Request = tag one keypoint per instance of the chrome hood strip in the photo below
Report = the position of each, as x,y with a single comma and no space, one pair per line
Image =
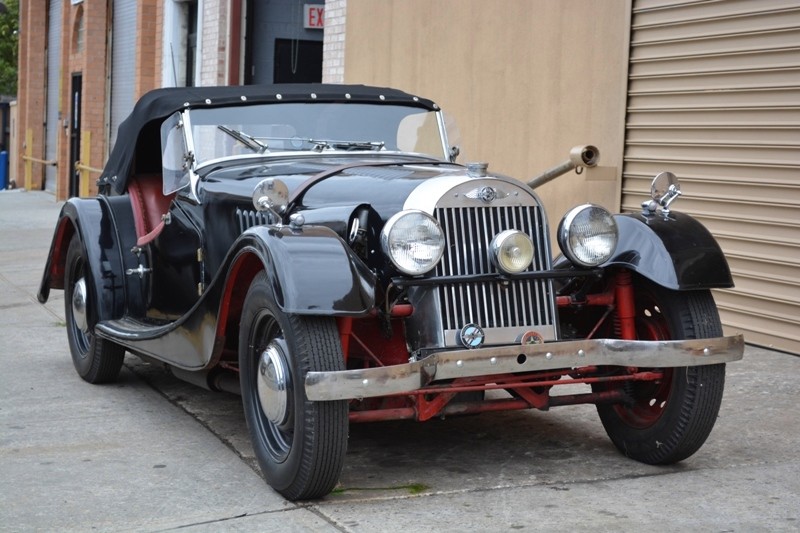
410,377
429,192
447,191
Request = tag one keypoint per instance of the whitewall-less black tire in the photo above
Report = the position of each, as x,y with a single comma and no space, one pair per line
96,360
669,420
300,445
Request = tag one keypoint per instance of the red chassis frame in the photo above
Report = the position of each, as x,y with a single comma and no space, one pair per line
362,339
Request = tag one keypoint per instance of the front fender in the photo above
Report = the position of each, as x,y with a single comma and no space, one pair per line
676,251
311,269
93,221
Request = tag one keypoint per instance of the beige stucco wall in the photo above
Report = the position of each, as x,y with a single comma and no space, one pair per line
525,79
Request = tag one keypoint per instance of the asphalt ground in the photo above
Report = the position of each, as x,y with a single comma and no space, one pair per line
150,453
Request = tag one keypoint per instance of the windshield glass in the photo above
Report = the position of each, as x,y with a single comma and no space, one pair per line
175,172
280,127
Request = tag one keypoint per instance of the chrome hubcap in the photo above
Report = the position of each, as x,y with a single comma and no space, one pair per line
79,304
274,383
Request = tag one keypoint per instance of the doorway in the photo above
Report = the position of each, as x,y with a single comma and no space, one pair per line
76,95
297,61
278,46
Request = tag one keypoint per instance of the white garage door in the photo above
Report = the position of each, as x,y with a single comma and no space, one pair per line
123,63
714,96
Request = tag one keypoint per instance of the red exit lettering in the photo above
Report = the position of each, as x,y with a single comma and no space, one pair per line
314,16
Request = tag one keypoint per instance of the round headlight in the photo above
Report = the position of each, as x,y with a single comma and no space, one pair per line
414,242
512,251
588,235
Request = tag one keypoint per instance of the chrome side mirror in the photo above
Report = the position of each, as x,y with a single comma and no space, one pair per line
271,195
664,190
453,153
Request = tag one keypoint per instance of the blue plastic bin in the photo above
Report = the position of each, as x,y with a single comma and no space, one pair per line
3,170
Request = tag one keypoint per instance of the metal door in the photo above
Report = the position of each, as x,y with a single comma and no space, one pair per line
76,95
714,96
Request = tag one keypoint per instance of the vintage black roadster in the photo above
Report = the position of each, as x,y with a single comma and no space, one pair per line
317,249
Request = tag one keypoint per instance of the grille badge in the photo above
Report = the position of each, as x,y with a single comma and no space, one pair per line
532,337
471,336
486,194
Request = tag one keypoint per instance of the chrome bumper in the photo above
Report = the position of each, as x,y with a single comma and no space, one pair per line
409,377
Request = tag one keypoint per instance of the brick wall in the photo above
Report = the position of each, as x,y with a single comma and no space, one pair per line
149,23
89,57
91,62
333,43
31,92
212,47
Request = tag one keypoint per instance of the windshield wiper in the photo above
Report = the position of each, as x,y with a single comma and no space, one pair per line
247,140
320,144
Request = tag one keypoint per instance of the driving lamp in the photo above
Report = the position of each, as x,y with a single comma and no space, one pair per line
413,241
588,235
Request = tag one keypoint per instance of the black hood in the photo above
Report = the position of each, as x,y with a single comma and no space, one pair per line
383,182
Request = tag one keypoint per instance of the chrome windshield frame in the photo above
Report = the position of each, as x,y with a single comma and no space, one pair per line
441,153
443,136
194,178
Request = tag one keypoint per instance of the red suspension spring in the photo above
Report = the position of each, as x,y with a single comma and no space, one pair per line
625,320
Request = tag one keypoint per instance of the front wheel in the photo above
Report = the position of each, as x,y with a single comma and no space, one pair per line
666,421
96,360
300,445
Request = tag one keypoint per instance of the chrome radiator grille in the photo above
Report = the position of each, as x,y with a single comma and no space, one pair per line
469,232
248,218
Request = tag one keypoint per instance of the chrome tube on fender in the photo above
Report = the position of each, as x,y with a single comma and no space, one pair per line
579,156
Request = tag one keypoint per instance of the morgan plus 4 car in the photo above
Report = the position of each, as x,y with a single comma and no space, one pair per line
317,249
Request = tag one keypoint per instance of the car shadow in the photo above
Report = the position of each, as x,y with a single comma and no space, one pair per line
459,453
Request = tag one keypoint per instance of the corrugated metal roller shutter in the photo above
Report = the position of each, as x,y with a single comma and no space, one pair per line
714,96
52,126
123,63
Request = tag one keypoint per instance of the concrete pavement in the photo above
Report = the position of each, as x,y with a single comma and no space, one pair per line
150,453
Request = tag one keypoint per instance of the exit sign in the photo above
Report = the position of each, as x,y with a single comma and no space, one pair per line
313,16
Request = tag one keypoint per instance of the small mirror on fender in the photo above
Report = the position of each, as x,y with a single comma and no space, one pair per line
665,189
271,195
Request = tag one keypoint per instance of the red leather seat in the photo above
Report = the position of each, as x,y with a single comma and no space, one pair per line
149,207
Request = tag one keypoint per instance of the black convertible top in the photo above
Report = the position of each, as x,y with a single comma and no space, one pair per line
138,145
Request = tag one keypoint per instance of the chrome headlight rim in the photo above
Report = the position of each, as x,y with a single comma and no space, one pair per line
418,265
498,244
568,236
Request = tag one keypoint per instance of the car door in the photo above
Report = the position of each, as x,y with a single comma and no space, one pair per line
178,277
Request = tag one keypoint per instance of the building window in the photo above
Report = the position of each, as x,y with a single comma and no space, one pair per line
78,31
182,21
191,41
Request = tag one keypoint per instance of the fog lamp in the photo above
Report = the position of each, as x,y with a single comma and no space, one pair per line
512,251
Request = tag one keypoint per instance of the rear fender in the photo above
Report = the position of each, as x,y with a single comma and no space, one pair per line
93,221
676,251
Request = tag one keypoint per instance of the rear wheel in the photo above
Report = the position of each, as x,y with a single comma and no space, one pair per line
668,420
96,360
300,445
